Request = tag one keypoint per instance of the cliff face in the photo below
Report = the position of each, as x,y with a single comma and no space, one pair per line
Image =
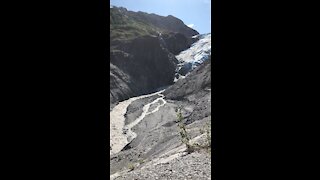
198,80
142,66
142,51
177,42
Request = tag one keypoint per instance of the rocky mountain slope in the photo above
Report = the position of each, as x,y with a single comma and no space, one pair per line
157,151
199,79
143,49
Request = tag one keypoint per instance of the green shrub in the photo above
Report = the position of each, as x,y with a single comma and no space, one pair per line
185,139
141,161
131,167
207,131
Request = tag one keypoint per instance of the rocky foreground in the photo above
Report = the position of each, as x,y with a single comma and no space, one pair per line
191,166
156,152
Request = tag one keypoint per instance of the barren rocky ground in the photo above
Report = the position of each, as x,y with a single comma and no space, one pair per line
157,150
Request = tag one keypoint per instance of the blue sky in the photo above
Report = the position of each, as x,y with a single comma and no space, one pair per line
194,13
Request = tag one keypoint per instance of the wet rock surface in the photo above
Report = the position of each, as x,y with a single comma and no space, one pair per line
135,108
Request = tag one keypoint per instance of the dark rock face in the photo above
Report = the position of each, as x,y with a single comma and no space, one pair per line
142,52
119,84
177,42
185,69
198,80
141,66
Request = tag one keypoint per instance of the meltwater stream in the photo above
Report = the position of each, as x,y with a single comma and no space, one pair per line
119,139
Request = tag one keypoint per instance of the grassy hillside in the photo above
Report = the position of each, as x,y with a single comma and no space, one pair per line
123,27
126,25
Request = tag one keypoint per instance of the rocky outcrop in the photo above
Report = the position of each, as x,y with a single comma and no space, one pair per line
195,90
177,42
138,67
119,86
198,80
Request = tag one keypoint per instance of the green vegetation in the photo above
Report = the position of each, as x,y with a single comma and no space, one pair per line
208,133
185,138
131,166
141,161
127,25
183,133
206,130
124,27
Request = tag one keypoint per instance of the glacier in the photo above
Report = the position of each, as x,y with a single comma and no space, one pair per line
194,56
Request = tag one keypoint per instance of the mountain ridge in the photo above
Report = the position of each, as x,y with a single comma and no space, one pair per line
142,23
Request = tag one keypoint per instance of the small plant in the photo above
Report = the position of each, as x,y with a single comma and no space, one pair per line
207,131
183,133
131,167
201,131
185,138
141,161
